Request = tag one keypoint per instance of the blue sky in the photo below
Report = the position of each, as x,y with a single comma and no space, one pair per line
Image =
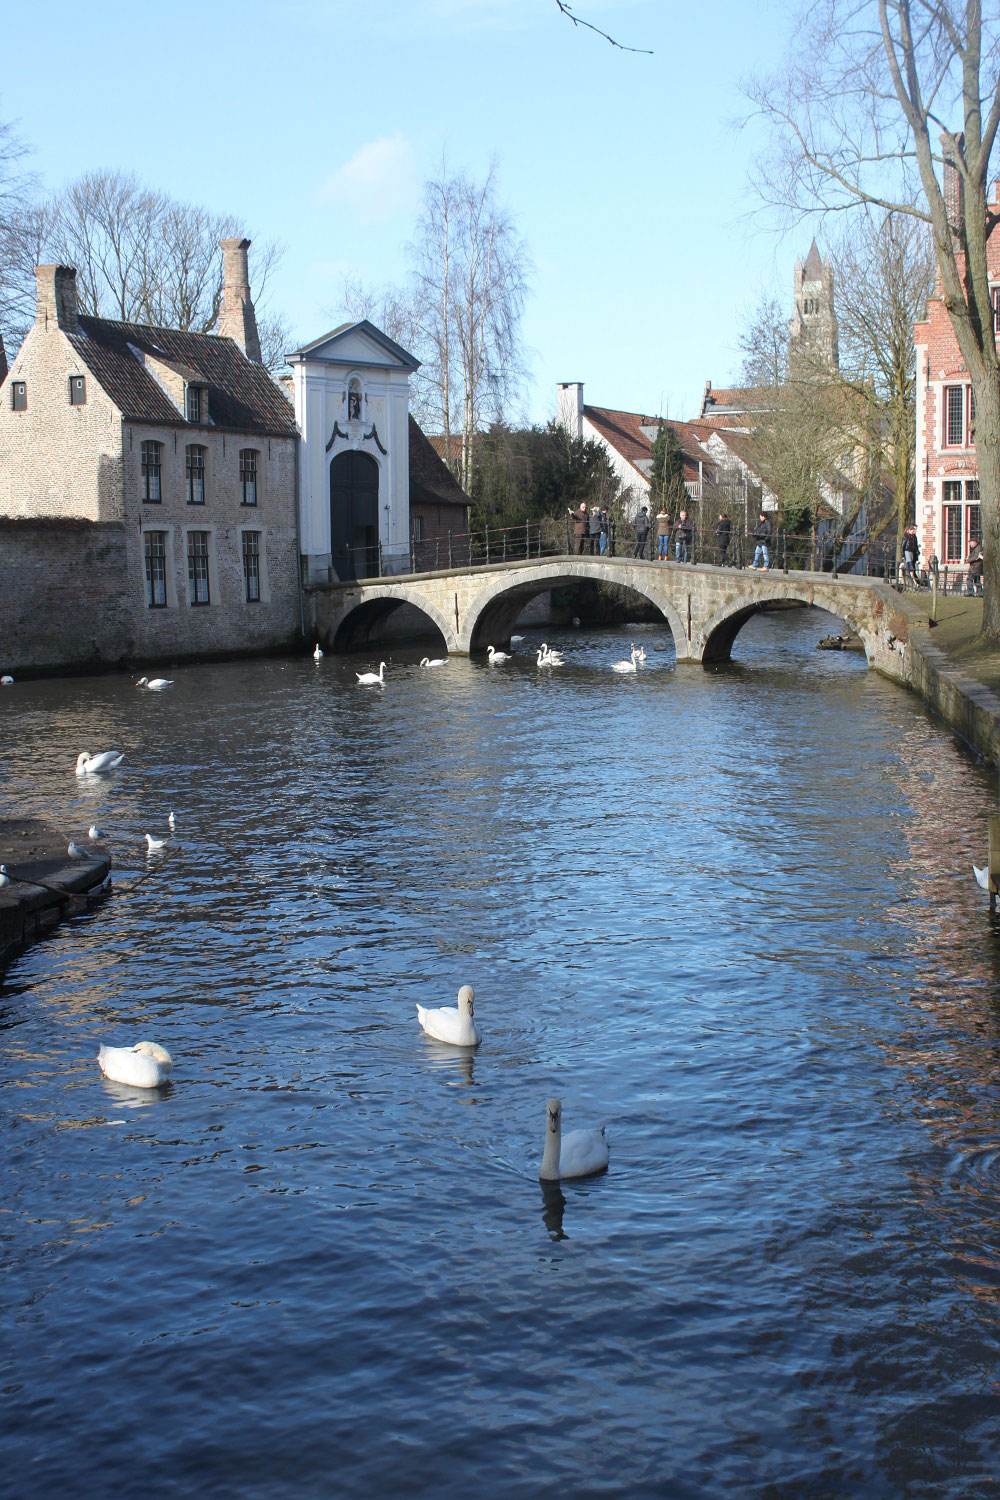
318,121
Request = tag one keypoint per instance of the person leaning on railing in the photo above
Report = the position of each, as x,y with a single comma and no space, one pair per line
581,526
722,534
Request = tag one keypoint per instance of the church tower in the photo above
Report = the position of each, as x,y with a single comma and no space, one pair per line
812,342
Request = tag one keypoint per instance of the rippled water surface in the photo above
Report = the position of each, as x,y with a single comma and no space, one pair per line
731,914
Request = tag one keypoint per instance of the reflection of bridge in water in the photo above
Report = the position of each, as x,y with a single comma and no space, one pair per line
704,606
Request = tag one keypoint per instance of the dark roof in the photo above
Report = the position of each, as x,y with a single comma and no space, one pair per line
431,480
241,394
394,350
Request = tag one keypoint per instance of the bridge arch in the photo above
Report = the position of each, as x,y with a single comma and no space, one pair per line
493,611
721,629
362,618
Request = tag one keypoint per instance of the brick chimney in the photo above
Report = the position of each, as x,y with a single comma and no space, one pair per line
237,319
56,298
952,185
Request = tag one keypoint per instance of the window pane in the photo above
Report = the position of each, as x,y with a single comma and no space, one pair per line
194,468
151,471
251,565
248,475
953,533
193,403
954,414
197,550
155,548
974,523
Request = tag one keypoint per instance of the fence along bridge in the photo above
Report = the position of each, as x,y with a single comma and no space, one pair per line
704,606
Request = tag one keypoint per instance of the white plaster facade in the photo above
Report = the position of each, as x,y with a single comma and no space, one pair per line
351,392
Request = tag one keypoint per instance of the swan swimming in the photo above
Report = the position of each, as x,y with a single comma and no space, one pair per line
153,846
144,1066
578,1154
627,666
496,656
549,660
439,661
317,654
371,679
93,765
447,1024
172,821
516,640
640,655
155,684
982,876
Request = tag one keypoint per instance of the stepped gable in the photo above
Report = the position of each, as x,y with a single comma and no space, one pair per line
241,394
431,481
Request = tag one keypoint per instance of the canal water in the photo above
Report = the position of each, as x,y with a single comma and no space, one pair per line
731,914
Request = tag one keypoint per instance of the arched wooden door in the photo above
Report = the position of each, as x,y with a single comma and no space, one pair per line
354,515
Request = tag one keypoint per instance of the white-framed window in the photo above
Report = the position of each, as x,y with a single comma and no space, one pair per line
251,566
77,390
151,464
194,403
248,476
194,473
199,590
959,414
154,545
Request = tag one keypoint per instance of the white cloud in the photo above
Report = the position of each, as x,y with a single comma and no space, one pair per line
379,181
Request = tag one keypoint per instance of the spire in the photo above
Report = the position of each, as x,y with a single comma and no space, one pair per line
813,268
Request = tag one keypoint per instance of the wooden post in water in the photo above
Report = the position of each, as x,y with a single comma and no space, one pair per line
993,859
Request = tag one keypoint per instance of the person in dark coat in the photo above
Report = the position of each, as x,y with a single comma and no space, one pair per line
581,526
911,551
974,577
722,534
641,532
683,534
762,536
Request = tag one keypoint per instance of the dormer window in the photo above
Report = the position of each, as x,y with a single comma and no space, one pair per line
19,395
196,404
77,390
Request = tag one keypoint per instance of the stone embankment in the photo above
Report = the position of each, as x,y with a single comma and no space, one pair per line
45,882
965,704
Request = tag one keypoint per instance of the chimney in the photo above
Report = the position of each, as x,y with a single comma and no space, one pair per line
3,361
952,185
569,407
56,294
237,319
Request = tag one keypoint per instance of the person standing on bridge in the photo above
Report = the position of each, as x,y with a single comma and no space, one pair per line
911,551
762,536
581,527
722,534
641,532
662,534
683,534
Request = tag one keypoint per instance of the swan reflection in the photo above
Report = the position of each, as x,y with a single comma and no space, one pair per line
553,1208
135,1098
459,1062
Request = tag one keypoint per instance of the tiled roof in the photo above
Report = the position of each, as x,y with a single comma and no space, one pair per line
241,394
623,430
732,406
431,481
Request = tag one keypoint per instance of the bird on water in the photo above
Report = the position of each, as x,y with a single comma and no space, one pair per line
93,765
145,1066
450,1024
372,679
581,1153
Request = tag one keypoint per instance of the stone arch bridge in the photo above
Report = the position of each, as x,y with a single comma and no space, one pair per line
705,607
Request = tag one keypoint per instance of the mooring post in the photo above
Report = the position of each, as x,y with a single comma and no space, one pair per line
933,596
449,550
784,550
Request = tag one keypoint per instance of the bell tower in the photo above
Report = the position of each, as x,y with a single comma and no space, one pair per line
812,330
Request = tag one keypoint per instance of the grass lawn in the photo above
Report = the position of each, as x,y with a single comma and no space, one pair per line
959,621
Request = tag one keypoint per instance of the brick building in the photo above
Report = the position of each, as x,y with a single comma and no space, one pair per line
948,516
180,439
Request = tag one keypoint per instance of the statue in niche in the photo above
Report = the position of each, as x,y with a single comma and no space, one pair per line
354,402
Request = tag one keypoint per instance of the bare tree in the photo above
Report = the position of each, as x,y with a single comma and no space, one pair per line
879,99
16,188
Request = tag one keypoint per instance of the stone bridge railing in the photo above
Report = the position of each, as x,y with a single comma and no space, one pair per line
704,606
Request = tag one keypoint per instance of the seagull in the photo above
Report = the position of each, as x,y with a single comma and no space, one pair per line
439,661
172,821
496,656
153,846
93,765
372,679
155,684
95,834
4,877
982,877
74,851
317,654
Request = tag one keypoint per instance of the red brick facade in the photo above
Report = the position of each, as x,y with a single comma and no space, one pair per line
947,486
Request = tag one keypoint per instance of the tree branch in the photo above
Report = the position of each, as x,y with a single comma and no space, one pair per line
567,11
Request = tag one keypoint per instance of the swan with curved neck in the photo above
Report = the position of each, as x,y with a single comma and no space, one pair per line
372,679
627,666
144,1066
93,765
455,1026
155,684
496,656
438,661
581,1153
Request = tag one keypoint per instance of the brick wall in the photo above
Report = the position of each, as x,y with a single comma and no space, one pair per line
64,595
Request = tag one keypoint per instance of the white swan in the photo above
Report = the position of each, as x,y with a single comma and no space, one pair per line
4,877
627,666
439,661
317,653
447,1024
552,658
578,1154
982,877
144,1066
640,655
93,765
372,679
516,640
172,821
155,684
153,846
496,656
6,680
